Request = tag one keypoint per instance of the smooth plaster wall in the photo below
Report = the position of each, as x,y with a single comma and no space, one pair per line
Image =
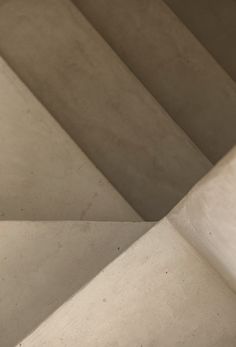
213,22
105,109
173,65
42,264
160,292
43,173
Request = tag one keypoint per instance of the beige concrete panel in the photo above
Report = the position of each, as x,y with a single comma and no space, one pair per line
207,217
43,173
173,65
93,95
43,263
213,22
158,293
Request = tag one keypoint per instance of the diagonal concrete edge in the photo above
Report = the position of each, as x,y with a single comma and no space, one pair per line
216,30
160,292
42,264
179,72
44,175
206,217
100,103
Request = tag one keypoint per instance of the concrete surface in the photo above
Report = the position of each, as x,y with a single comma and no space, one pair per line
161,291
173,65
43,263
93,95
43,173
158,293
213,22
207,217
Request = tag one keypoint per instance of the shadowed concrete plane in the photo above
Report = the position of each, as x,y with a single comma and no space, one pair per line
213,22
100,103
173,65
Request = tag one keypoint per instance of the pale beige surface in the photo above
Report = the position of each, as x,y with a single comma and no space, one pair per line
161,291
43,263
112,117
206,217
213,22
43,173
173,65
158,293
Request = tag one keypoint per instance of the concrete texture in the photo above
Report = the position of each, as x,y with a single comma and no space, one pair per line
213,22
43,263
112,117
43,173
161,291
173,65
207,217
158,293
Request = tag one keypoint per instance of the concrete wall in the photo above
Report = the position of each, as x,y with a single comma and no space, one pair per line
213,23
173,65
161,291
43,173
43,263
93,95
158,293
207,217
